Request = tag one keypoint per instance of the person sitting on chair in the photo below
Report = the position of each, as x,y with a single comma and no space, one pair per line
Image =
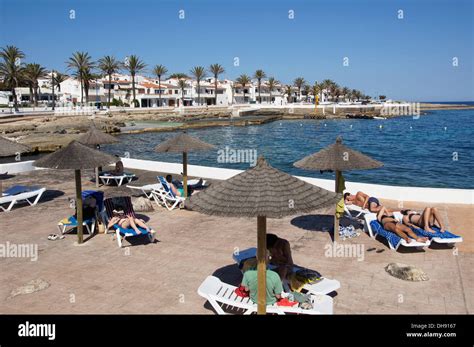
178,189
280,255
274,285
125,221
118,171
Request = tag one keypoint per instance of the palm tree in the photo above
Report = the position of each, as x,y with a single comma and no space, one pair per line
199,72
272,83
160,71
32,73
315,90
216,70
182,85
82,64
108,65
134,65
259,75
179,76
11,70
243,80
27,80
326,86
59,78
288,91
345,92
306,91
299,82
334,91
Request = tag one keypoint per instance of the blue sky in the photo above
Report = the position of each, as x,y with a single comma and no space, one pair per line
408,58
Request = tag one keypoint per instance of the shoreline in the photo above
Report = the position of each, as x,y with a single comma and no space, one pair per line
49,132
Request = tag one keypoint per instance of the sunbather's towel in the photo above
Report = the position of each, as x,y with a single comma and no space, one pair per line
340,208
72,221
439,234
377,229
307,275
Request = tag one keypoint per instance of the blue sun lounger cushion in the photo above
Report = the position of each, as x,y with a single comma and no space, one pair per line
439,234
15,190
377,229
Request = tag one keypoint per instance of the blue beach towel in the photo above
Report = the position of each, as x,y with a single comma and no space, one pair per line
439,234
377,229
15,190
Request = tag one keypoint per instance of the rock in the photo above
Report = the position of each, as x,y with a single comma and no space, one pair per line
142,204
406,272
30,287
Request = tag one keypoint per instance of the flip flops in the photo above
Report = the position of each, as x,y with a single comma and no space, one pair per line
54,237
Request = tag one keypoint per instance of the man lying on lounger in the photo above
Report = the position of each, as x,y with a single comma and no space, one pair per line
429,218
390,223
280,255
120,218
178,189
364,201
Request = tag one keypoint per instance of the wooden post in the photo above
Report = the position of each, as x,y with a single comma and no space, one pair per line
336,220
77,174
185,174
97,177
262,264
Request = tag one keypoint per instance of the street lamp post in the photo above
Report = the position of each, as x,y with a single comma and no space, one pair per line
52,89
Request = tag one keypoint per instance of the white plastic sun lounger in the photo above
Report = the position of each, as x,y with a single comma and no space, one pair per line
360,211
450,240
31,198
118,179
324,286
65,227
222,296
147,189
394,241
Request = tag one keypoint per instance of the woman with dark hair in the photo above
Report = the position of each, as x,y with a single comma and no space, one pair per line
390,223
280,255
429,218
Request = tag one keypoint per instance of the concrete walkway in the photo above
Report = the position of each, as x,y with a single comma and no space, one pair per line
98,277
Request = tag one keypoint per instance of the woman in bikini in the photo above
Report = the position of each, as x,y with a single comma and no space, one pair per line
429,218
124,221
390,223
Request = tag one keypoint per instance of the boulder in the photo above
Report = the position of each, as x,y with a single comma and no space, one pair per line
142,204
406,272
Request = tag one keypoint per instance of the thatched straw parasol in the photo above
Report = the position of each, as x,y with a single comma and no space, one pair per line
183,143
10,148
76,156
95,137
337,157
261,192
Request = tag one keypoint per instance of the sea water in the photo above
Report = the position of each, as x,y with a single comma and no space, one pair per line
433,150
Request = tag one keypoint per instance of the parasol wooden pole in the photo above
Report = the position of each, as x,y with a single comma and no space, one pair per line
336,220
185,174
77,174
262,264
97,177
